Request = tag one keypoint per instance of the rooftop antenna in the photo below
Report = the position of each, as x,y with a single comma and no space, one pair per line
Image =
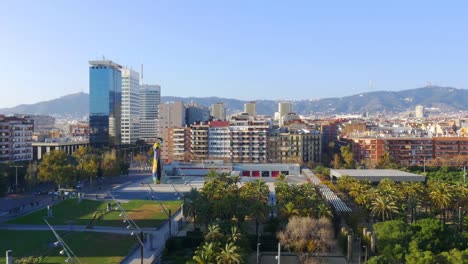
142,73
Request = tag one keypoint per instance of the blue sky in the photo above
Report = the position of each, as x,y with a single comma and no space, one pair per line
236,49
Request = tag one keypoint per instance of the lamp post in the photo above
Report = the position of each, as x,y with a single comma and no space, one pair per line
258,253
16,168
359,239
459,217
279,253
66,249
167,212
365,254
131,225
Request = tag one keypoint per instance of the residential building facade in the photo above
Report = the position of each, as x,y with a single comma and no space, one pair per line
15,139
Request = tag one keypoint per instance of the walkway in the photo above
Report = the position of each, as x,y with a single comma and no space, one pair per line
327,194
155,242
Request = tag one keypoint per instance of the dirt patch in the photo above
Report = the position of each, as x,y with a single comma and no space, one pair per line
146,211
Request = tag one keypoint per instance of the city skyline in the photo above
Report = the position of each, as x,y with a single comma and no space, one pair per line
236,50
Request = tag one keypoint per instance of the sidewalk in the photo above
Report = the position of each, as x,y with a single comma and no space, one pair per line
155,243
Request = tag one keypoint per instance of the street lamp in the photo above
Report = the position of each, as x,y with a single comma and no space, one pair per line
365,254
66,249
167,212
459,217
16,167
359,239
258,252
131,225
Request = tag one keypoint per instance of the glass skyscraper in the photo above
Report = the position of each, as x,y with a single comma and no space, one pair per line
105,100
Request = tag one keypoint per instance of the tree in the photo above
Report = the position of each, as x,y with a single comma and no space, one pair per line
56,167
305,235
348,156
229,255
87,163
192,200
206,253
324,211
110,165
337,161
214,233
440,196
393,239
384,207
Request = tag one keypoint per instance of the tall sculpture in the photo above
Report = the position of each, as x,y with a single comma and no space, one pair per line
157,165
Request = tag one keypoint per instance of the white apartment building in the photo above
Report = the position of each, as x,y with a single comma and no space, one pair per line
15,139
130,120
219,140
249,141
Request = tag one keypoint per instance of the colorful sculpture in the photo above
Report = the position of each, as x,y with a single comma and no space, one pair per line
157,166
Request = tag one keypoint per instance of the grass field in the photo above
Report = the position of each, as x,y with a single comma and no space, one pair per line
145,213
92,248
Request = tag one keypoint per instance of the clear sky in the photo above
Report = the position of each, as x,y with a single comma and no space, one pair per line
250,49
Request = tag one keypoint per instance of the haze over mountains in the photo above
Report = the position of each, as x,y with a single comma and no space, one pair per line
444,98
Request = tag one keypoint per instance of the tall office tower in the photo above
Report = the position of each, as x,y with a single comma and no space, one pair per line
218,112
150,98
284,108
250,108
196,113
105,101
419,111
130,124
170,115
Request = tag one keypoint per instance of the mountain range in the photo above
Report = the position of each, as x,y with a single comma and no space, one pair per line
446,98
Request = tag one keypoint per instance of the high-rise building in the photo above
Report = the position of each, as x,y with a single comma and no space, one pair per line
284,108
219,137
150,98
130,120
199,141
15,139
250,108
196,113
419,111
170,115
218,111
105,100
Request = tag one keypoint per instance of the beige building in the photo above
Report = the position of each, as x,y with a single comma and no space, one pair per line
218,111
284,108
171,115
178,145
250,108
199,141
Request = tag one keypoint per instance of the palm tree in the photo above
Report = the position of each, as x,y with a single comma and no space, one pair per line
189,207
214,233
384,207
229,255
206,254
324,211
288,210
235,234
440,196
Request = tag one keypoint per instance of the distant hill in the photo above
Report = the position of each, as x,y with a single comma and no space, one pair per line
445,98
69,105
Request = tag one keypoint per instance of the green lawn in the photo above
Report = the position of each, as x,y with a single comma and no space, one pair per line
88,246
145,213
